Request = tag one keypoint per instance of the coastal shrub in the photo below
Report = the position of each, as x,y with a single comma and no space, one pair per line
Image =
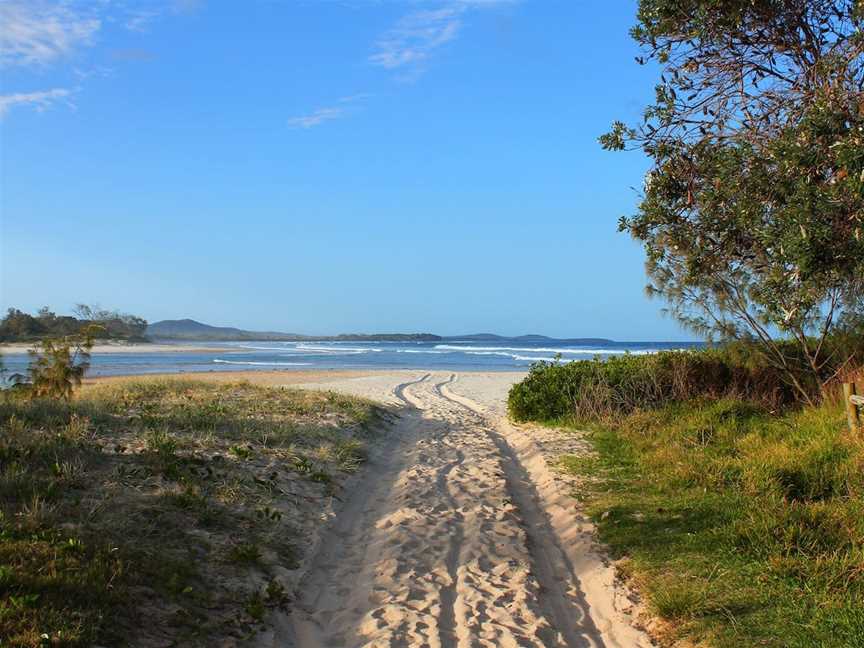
598,389
57,365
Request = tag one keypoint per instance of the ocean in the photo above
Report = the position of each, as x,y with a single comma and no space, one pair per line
452,354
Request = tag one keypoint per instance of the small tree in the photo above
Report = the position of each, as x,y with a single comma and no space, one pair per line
57,365
115,324
753,213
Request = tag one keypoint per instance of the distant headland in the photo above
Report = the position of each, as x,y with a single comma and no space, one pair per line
192,330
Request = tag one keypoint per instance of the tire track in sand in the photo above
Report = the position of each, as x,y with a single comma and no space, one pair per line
448,634
560,597
443,543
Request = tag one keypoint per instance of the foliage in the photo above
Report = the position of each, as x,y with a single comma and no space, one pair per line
753,211
116,325
741,528
58,365
18,326
124,521
604,389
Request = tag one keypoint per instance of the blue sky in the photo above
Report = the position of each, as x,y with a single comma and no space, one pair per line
325,166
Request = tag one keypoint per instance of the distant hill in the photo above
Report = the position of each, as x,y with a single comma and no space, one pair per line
189,329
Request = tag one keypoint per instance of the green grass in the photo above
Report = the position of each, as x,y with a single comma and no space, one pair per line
741,528
158,506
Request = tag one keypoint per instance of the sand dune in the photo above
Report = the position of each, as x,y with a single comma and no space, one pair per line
457,534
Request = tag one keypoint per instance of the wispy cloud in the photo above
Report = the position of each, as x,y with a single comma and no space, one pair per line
416,36
41,100
406,47
413,40
37,33
328,113
139,20
316,118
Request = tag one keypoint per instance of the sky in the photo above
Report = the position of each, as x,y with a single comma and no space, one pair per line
325,166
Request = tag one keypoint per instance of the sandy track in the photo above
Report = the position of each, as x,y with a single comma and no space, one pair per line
455,538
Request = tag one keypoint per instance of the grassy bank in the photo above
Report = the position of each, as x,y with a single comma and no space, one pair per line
163,511
741,528
738,514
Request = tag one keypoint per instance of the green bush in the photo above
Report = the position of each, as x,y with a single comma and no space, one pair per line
598,389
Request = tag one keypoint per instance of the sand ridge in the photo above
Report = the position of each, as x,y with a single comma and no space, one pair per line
458,535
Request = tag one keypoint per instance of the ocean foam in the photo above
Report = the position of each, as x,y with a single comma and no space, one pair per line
562,350
516,356
262,348
262,364
337,350
539,359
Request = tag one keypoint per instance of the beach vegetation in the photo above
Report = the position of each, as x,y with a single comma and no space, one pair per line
124,516
733,505
739,527
18,326
608,389
726,480
752,215
57,365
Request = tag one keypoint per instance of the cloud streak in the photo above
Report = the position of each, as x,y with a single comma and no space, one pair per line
41,100
406,47
139,21
316,118
413,40
38,33
416,36
327,113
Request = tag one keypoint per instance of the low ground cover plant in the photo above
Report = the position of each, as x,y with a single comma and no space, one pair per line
162,510
742,528
737,509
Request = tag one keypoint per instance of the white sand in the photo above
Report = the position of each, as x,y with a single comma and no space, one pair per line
12,348
458,533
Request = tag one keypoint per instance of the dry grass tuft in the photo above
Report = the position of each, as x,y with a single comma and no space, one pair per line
158,511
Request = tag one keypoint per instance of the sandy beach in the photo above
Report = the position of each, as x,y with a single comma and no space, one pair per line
460,534
458,531
308,377
117,347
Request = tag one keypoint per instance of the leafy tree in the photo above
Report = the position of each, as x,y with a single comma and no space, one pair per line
752,216
57,365
114,323
18,325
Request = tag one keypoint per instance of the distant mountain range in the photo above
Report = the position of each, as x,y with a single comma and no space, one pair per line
189,329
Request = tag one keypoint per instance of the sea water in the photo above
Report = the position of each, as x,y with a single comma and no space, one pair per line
461,355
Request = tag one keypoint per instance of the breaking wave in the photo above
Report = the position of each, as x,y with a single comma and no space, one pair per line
261,364
562,350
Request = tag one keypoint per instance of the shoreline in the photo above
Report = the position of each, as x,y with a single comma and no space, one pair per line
277,378
21,348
